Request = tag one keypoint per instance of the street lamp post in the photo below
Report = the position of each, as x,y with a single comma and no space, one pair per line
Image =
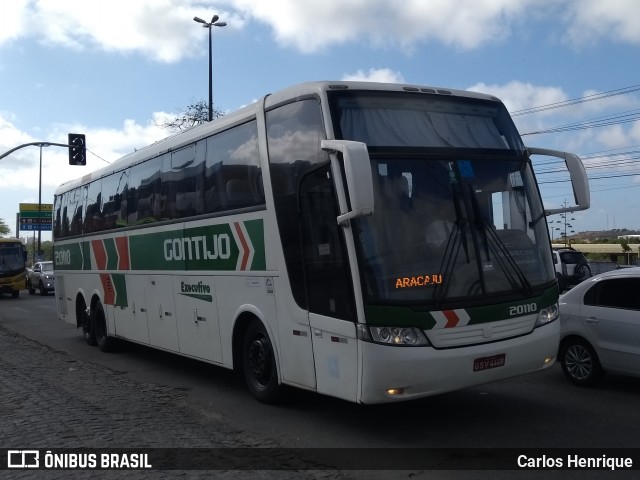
40,206
213,23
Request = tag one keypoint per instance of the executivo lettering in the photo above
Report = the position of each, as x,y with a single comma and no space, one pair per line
200,291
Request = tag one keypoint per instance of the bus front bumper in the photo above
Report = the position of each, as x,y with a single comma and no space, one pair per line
392,374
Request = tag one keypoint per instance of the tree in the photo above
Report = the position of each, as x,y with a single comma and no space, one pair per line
196,113
4,228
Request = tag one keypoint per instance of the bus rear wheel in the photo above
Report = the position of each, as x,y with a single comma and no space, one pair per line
99,325
259,364
88,332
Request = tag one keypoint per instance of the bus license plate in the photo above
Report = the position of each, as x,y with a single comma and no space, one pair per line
485,363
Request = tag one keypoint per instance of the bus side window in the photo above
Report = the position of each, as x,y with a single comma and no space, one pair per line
232,174
239,192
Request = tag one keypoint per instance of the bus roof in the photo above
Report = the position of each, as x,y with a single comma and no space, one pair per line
10,240
178,140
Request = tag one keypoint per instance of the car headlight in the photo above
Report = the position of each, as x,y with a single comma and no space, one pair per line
547,315
397,336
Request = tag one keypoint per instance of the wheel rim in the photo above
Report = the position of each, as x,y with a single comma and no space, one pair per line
579,362
260,360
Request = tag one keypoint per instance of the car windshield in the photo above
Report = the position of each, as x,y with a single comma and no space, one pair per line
47,267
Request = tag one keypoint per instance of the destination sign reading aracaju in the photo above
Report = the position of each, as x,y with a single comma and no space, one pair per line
227,246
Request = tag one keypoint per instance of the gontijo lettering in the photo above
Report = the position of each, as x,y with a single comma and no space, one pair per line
197,248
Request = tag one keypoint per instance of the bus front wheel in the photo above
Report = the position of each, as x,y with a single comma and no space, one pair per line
259,364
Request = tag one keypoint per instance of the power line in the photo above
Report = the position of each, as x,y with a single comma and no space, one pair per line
105,161
604,121
576,101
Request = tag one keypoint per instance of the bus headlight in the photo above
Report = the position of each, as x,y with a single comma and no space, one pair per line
547,315
400,336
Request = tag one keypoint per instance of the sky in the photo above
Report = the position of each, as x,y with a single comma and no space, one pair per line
568,71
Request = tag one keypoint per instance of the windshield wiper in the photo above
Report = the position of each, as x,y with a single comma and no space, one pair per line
485,227
457,238
524,282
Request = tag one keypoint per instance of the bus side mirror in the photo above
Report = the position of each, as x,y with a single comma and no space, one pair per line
579,180
358,176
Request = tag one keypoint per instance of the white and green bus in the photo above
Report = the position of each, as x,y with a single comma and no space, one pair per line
372,242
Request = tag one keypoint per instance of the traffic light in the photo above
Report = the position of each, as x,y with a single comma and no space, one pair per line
77,149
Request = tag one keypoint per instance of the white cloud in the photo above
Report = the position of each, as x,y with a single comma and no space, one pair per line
382,75
164,31
160,29
592,20
519,95
12,20
309,25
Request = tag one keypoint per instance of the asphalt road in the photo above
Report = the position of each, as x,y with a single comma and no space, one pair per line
73,395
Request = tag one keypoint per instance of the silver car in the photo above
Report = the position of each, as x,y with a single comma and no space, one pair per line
600,327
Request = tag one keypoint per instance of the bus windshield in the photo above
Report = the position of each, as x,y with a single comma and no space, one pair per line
11,258
457,215
453,229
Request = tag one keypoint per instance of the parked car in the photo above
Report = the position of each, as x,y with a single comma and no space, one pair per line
42,278
600,327
571,267
601,266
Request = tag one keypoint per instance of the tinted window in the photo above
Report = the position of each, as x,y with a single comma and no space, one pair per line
93,217
57,213
615,293
328,283
114,200
183,181
72,213
144,205
294,133
218,173
233,177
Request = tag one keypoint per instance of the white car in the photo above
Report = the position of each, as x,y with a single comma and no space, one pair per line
42,277
600,327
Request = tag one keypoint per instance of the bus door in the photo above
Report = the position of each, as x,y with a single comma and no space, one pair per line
328,287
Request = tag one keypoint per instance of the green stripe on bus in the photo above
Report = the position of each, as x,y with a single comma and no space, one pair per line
255,229
86,255
112,253
409,317
120,286
211,247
